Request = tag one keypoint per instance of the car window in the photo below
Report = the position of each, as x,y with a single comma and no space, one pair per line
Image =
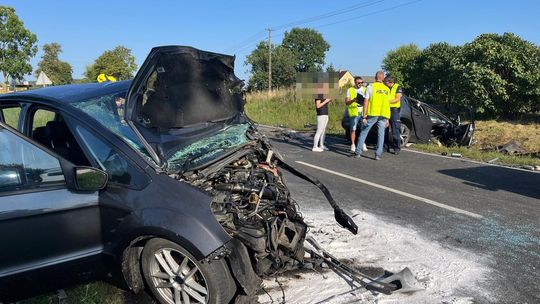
11,115
120,170
26,166
41,118
108,110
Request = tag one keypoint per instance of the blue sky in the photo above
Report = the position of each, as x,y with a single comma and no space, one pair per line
359,38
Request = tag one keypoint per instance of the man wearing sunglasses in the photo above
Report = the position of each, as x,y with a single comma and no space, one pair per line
354,101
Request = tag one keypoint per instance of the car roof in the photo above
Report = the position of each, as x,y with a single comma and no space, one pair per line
73,92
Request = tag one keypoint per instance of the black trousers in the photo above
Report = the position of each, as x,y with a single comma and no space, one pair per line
394,130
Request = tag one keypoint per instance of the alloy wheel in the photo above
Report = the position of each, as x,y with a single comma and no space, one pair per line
177,278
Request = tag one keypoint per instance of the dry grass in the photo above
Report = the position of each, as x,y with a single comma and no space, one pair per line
492,133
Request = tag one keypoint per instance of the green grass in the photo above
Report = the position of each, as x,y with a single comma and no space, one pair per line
281,108
93,293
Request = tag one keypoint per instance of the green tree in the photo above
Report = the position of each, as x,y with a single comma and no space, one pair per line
430,77
400,61
60,72
283,73
17,46
118,62
499,75
309,48
330,68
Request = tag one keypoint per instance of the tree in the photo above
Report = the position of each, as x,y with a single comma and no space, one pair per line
309,48
60,72
400,61
430,76
499,75
17,46
283,73
330,68
118,62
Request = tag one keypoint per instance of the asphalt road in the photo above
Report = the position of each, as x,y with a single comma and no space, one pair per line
489,210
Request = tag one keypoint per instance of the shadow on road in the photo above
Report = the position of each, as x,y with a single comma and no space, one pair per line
498,178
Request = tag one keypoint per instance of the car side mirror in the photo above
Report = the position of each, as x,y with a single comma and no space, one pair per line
90,179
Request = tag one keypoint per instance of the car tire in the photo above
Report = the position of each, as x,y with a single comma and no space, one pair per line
172,275
404,134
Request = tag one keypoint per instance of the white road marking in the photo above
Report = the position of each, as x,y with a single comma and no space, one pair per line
470,161
416,197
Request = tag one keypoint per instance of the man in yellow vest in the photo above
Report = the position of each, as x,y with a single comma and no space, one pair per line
354,101
394,139
376,111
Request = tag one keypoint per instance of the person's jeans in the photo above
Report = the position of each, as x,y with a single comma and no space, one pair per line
395,127
371,121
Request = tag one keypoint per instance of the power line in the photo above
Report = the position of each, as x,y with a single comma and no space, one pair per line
329,14
247,42
369,14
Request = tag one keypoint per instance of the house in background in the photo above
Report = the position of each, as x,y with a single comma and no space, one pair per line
345,77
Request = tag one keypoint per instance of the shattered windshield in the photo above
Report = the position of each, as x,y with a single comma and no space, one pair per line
208,148
109,111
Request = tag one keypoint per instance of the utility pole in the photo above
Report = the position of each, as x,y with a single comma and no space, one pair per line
269,60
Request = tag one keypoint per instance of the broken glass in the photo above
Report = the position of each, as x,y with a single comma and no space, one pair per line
108,111
208,148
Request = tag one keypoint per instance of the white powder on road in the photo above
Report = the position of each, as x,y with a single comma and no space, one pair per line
449,275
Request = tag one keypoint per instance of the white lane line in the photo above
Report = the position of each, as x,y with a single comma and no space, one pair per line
416,197
470,161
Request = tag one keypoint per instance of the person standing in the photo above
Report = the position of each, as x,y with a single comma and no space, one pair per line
354,101
321,106
376,111
396,91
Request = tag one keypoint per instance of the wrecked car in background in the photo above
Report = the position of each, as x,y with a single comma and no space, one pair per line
160,183
423,123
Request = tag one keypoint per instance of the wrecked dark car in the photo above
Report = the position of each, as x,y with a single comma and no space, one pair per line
160,183
423,123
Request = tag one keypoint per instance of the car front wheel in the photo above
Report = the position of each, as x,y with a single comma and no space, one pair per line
174,276
404,134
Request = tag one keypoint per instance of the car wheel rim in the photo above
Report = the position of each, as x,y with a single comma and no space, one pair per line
177,278
404,135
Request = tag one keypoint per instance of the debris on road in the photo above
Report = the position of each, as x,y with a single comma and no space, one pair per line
447,274
455,154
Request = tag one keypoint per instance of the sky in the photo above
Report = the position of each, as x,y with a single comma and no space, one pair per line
360,33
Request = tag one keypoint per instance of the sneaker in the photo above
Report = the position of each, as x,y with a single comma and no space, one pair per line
353,148
317,149
364,148
358,156
377,157
325,148
396,152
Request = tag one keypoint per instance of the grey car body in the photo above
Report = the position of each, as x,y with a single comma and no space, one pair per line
195,208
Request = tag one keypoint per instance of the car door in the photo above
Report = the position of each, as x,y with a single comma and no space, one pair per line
43,223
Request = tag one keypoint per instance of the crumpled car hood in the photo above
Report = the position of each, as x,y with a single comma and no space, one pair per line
179,86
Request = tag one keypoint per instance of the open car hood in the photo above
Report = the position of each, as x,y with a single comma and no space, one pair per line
181,87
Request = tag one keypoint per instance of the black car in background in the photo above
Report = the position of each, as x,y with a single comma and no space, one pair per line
160,183
421,123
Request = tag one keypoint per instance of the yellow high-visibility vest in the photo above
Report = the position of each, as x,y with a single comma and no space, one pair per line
379,101
393,92
353,106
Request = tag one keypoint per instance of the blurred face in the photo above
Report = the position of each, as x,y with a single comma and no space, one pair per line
389,83
358,83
